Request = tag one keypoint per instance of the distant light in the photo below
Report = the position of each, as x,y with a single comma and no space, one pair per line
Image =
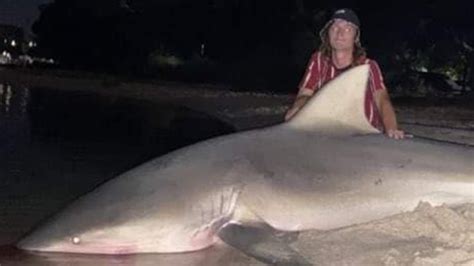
13,43
31,44
6,54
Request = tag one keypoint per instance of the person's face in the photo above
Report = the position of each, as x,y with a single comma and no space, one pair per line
342,35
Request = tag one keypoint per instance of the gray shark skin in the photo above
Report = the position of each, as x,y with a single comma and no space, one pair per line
325,168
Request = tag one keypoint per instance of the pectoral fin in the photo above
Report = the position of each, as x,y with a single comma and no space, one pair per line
263,243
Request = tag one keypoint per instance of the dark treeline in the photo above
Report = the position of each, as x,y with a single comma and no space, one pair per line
255,44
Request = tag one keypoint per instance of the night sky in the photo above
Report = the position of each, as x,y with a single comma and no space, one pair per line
24,12
20,12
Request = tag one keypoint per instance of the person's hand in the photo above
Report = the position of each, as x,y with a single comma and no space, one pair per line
291,112
395,134
299,102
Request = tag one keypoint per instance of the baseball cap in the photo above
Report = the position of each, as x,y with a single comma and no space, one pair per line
347,15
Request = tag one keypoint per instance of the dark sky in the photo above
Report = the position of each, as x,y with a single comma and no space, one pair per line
20,12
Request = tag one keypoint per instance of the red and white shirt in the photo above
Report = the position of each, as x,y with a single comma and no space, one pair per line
320,70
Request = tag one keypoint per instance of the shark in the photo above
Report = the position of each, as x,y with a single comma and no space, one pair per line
325,168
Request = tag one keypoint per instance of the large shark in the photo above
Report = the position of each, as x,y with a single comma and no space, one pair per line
325,168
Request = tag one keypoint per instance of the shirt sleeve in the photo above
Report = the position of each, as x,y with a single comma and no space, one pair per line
308,82
376,78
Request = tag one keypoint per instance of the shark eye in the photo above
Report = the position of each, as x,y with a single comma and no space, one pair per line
76,240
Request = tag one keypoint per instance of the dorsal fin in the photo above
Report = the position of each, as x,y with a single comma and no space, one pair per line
338,107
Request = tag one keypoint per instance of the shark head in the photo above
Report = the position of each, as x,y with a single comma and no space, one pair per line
70,232
100,222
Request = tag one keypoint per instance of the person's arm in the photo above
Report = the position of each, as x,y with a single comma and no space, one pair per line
306,86
387,114
382,100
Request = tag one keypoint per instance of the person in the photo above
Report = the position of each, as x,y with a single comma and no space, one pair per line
340,50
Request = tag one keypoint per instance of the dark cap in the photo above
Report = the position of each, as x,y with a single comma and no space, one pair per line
347,15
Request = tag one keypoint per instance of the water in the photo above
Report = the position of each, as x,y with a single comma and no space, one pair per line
57,145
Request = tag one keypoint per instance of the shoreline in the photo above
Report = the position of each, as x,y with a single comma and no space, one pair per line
218,101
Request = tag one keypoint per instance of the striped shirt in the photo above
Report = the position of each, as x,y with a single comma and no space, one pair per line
320,70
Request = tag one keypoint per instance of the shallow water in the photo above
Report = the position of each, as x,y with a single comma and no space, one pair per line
57,145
